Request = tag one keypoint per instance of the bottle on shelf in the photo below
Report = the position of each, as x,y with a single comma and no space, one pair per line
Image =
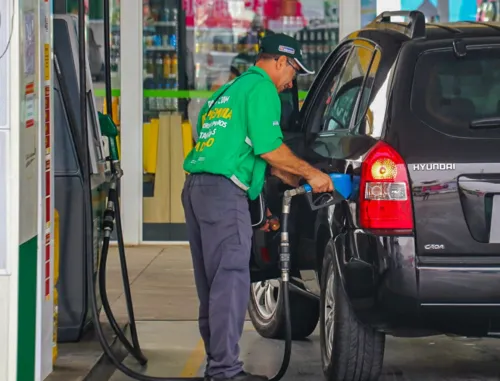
173,68
159,67
166,14
173,40
165,40
312,47
149,63
319,43
304,40
174,16
326,43
167,63
334,38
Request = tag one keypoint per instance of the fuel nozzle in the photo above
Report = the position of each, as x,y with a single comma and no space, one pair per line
109,129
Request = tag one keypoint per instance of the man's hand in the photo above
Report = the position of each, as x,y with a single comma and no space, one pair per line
286,177
270,224
320,182
284,159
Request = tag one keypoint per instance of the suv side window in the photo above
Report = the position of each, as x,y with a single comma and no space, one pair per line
346,89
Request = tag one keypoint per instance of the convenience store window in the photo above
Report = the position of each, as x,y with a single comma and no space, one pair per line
225,34
190,49
164,74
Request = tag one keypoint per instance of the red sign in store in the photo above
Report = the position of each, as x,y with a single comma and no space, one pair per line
216,13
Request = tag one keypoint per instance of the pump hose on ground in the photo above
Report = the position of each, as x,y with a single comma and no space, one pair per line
113,203
112,214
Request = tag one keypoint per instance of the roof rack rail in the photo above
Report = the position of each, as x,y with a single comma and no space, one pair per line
493,26
415,27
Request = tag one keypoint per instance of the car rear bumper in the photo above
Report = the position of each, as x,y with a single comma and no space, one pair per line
406,294
461,286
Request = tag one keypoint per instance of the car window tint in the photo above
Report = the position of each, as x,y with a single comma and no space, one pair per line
449,92
345,89
328,77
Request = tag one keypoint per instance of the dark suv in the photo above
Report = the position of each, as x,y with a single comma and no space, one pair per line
412,112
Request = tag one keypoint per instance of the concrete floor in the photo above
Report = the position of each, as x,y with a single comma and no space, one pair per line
174,349
166,307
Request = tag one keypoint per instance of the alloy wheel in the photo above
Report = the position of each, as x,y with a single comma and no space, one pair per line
329,313
266,295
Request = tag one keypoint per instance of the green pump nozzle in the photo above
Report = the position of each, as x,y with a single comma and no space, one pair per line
109,129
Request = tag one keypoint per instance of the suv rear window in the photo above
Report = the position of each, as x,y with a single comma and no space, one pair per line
449,91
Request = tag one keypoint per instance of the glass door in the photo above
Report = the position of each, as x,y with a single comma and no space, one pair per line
164,143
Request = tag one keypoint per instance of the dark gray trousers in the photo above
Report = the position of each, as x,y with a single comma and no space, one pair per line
220,236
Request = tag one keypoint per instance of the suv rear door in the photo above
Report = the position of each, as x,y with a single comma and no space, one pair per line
451,148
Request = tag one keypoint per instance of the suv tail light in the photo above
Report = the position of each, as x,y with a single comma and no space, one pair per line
385,199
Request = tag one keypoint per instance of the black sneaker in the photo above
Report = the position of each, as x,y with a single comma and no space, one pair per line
242,376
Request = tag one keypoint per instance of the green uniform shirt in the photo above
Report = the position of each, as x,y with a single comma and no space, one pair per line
243,124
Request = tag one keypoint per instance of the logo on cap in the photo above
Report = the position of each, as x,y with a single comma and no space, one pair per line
286,49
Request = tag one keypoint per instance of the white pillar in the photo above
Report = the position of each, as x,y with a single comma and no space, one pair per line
349,17
131,119
388,5
19,196
444,10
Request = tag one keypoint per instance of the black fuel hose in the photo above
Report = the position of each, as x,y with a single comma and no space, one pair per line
111,214
284,290
133,348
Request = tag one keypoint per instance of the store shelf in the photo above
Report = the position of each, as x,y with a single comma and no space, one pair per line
163,24
159,48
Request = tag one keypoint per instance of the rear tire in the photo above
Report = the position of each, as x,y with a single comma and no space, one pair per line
350,350
268,315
